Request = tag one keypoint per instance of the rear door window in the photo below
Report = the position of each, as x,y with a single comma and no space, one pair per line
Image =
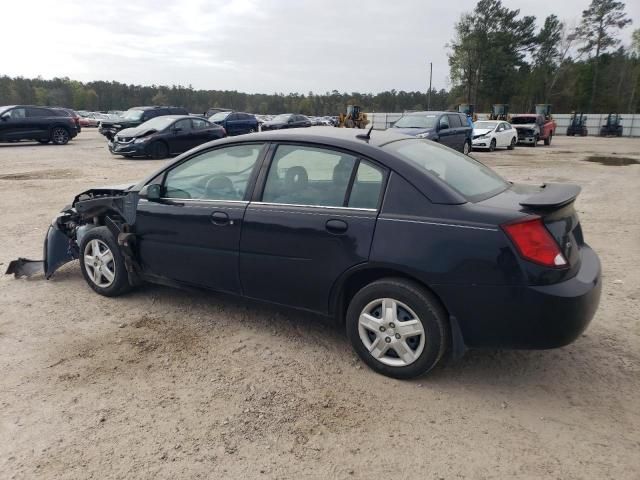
184,124
367,186
454,121
302,175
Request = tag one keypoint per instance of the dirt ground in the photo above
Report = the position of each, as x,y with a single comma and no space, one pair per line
164,383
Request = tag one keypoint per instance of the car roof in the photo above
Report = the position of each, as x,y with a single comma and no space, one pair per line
329,136
427,112
154,107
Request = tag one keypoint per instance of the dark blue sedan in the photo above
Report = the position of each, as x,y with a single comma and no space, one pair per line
449,128
417,248
236,123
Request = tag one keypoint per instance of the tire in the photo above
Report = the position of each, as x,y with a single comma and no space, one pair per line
466,148
512,145
547,141
492,145
60,136
99,254
422,344
159,150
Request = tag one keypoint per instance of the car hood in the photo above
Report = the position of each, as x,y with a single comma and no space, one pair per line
525,125
481,131
412,131
136,132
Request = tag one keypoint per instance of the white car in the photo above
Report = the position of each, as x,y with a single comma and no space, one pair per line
491,134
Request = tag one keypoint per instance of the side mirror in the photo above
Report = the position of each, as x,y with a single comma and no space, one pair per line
152,192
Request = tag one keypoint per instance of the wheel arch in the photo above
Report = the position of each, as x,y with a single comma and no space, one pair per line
352,280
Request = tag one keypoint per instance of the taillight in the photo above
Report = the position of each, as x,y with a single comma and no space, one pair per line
534,242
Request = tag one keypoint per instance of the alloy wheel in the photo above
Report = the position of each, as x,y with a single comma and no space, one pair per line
59,136
467,148
99,263
391,332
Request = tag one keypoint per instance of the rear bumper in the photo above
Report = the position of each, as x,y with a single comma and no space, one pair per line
527,317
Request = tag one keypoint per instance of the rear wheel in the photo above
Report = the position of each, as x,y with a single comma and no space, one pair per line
159,150
466,149
102,263
397,328
492,145
59,136
512,145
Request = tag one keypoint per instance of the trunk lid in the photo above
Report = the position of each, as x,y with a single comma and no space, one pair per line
554,204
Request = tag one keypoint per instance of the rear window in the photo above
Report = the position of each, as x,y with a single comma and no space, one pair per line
468,177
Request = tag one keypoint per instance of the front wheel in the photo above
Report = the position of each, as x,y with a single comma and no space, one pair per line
159,150
397,328
512,145
59,136
102,263
466,149
492,145
547,141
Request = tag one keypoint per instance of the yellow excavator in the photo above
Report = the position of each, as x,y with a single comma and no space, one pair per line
354,118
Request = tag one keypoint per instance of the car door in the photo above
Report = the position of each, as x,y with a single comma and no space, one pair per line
17,126
191,234
444,131
505,135
201,132
307,225
180,139
40,119
456,131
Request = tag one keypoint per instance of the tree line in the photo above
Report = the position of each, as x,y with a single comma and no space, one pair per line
496,56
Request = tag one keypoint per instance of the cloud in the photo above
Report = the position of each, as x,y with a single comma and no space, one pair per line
245,45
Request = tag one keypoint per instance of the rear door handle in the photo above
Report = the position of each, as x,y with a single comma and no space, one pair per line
220,218
336,226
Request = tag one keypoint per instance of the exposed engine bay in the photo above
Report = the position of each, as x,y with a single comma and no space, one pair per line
113,207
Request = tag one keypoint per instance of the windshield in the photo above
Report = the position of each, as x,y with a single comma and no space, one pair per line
218,117
416,121
282,118
468,177
158,123
522,120
480,125
132,115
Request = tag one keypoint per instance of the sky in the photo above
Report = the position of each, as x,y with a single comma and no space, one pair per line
255,46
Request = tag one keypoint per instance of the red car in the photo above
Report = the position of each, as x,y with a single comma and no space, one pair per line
532,128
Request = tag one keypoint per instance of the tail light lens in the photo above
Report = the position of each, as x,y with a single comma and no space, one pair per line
534,242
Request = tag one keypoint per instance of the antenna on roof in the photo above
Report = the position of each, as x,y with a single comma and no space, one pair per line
367,135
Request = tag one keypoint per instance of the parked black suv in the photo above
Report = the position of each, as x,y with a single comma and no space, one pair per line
27,122
137,116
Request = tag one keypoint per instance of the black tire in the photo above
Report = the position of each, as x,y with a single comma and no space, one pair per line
60,136
120,282
466,148
492,145
159,150
44,142
547,141
512,145
430,314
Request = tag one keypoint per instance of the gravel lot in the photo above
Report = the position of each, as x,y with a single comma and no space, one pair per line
170,384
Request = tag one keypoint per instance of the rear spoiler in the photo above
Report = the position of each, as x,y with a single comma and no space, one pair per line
552,195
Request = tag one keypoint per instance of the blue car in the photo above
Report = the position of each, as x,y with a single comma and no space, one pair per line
449,128
236,123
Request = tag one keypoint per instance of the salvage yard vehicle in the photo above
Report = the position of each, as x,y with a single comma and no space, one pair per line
419,249
164,136
353,118
613,126
532,128
491,134
236,123
286,120
577,125
42,124
448,128
136,116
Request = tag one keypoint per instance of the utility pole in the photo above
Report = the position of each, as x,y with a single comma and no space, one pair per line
429,92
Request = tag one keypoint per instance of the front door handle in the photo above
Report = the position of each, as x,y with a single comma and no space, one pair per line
220,218
336,226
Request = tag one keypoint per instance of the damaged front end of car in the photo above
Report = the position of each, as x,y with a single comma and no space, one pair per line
113,207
